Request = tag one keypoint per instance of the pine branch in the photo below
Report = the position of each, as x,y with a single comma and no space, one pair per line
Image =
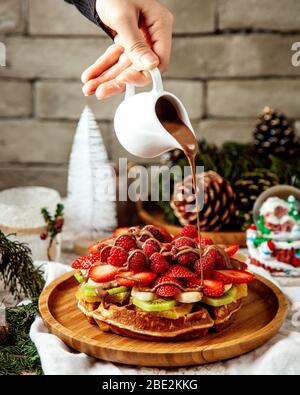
18,354
17,271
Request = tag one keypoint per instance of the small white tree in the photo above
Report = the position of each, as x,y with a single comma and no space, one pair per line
91,202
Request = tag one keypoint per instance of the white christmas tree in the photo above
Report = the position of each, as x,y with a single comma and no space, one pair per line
91,202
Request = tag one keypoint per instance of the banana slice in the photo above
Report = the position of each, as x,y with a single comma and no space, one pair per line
145,296
189,297
227,287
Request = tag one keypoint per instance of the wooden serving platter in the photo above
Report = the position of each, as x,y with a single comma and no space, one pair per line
153,215
260,318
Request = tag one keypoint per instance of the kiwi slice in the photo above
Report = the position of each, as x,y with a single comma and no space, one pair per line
159,304
228,298
79,276
87,290
119,298
117,290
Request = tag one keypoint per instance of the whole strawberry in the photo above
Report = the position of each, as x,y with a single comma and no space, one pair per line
189,231
155,232
126,241
184,242
206,264
104,254
188,258
150,247
118,256
158,263
137,261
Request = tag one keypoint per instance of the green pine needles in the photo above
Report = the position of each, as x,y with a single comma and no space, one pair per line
18,354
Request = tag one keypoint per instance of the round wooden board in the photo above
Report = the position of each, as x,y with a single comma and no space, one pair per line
260,318
153,215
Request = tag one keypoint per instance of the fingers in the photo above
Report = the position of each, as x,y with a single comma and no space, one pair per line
136,47
110,88
108,59
91,86
132,76
161,34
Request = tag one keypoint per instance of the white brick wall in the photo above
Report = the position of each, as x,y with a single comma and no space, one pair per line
230,59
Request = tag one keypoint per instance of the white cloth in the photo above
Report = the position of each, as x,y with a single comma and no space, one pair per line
280,355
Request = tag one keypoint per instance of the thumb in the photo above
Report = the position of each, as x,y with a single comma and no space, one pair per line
136,47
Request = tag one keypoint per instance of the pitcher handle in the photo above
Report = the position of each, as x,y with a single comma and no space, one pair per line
157,84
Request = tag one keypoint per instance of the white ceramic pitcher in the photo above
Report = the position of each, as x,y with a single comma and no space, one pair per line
137,125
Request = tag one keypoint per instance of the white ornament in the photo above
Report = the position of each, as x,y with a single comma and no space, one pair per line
91,202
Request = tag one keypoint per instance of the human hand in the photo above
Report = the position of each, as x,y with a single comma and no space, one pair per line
142,32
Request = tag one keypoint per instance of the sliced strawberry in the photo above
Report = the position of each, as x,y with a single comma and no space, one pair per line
213,288
103,273
130,278
232,249
82,262
120,231
232,276
167,291
179,271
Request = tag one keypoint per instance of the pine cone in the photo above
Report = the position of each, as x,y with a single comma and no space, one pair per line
247,189
274,134
218,201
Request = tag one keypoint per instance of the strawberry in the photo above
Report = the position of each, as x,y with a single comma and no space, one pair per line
137,261
130,279
220,261
188,258
156,233
189,231
82,262
206,264
125,241
120,231
167,237
104,254
206,241
193,282
150,247
179,271
183,242
158,263
103,273
167,291
232,249
232,276
97,247
213,288
118,256
166,279
94,258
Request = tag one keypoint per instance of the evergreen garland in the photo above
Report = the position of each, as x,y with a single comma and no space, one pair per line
18,354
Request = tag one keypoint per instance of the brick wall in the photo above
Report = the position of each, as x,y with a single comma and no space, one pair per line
230,58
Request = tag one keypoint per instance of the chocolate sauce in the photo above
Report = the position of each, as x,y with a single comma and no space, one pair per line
169,118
